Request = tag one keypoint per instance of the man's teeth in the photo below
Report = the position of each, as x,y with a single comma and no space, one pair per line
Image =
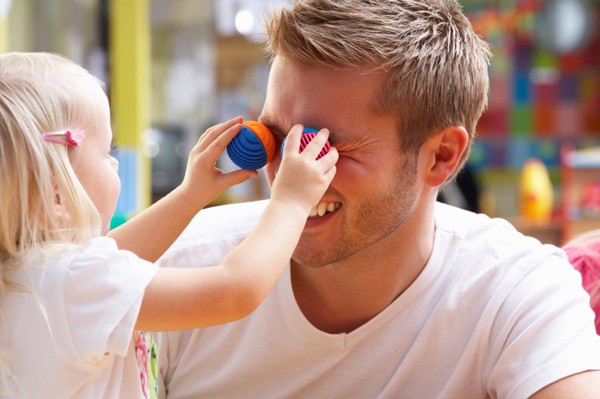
323,207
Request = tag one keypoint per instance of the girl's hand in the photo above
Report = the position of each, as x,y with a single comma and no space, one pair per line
302,179
203,181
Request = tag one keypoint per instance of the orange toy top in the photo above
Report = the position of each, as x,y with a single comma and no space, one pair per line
265,136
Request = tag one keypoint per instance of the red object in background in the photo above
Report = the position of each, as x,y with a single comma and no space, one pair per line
591,120
590,199
568,120
543,120
571,62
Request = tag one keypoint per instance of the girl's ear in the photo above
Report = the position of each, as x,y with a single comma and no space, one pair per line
442,154
58,207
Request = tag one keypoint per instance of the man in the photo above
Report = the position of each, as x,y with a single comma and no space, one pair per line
389,294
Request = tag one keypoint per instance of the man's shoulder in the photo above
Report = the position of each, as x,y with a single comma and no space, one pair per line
224,220
234,216
483,237
463,222
216,229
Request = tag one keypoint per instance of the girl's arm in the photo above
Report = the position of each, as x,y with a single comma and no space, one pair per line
150,233
179,298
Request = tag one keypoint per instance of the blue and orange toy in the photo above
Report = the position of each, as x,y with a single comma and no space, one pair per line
254,146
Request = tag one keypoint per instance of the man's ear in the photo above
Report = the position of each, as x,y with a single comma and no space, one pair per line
442,153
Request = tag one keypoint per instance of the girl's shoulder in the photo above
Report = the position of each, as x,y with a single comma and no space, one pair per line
84,267
101,256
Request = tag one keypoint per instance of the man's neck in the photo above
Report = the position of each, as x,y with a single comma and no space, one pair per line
343,296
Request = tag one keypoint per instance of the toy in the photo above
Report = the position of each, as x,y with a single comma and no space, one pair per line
536,195
307,135
253,147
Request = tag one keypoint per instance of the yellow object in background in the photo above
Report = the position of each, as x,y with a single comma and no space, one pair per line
4,9
130,100
535,192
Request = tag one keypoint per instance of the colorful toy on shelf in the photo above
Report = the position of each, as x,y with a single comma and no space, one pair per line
253,147
535,192
307,135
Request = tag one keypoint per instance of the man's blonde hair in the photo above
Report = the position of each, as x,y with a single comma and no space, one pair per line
437,65
39,93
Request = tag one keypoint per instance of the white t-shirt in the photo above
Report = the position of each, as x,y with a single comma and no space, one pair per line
69,335
493,314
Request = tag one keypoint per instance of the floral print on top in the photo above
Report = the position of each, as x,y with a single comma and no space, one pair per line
146,355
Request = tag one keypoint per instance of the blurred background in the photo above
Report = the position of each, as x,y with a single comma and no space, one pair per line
172,68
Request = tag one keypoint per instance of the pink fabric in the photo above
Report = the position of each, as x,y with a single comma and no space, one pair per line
585,258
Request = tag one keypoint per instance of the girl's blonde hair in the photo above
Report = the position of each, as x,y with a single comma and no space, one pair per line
41,92
437,65
585,238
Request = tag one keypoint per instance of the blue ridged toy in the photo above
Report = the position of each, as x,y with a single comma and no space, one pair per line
253,147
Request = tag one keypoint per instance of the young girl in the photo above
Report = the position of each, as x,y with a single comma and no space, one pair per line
70,295
584,254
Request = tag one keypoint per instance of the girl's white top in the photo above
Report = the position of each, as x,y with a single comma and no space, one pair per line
68,333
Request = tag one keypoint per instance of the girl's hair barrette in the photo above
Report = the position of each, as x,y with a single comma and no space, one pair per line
66,137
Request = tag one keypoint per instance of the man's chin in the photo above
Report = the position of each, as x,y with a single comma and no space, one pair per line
313,258
307,261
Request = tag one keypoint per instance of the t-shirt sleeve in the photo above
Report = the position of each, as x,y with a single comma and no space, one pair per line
103,290
542,335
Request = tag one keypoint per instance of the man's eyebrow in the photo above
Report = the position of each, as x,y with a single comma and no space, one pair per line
278,131
274,128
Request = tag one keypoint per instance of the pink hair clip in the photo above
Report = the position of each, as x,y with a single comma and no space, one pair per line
66,137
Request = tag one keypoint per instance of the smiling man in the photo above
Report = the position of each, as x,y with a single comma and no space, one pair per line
389,294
